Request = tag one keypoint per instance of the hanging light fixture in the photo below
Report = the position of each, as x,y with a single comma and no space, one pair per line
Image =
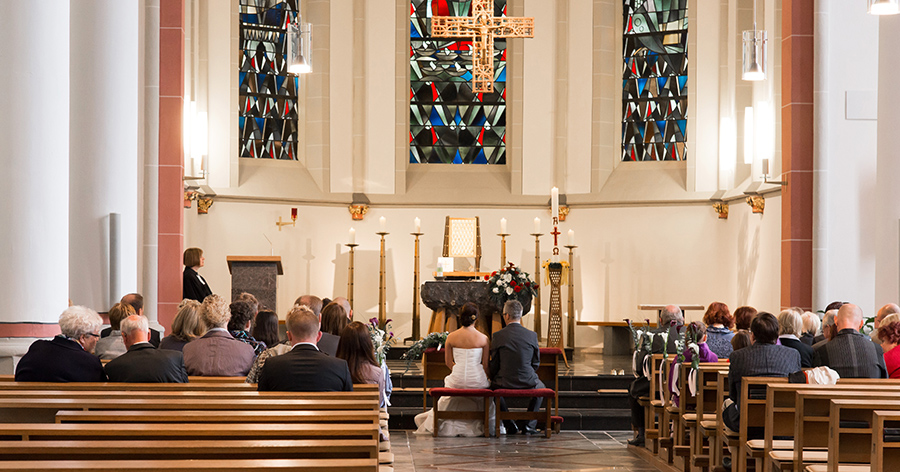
299,47
754,55
884,7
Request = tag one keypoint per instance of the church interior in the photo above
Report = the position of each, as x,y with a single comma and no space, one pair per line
734,151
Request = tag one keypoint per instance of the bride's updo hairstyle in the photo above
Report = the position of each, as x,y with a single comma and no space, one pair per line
468,314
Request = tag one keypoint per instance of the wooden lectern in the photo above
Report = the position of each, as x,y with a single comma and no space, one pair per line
256,275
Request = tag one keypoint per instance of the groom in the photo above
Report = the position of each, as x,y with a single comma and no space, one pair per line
515,357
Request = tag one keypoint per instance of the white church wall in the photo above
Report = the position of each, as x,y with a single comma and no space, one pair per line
539,111
887,268
626,255
380,71
341,104
580,89
845,246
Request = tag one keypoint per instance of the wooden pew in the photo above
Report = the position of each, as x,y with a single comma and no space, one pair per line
185,431
654,404
230,465
179,395
123,386
851,444
753,415
194,416
704,408
885,455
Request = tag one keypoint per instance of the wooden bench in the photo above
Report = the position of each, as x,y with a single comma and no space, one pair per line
217,465
138,431
194,416
885,454
123,386
705,406
851,440
484,414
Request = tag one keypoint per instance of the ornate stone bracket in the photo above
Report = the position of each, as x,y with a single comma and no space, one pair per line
358,210
721,209
757,202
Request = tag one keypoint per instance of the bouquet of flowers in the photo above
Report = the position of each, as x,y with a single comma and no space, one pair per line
510,283
415,352
381,338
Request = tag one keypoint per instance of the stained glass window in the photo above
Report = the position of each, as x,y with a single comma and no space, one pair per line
448,123
267,120
654,96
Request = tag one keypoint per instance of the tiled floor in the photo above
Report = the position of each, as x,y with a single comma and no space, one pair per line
587,451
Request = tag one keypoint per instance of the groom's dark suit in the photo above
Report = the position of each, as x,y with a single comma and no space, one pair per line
305,369
515,357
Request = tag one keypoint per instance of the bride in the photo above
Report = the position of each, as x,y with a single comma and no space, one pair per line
466,354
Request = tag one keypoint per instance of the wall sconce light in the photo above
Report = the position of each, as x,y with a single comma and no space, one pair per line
721,209
757,203
299,47
754,52
765,164
293,221
884,7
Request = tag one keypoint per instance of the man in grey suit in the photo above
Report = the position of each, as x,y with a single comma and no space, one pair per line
143,362
515,357
849,352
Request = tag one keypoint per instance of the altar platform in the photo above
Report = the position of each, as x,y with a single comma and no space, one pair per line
593,391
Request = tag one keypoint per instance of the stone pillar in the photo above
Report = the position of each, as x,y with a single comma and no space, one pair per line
105,151
797,152
149,124
171,158
887,233
34,182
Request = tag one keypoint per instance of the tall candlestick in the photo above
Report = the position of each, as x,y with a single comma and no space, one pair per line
352,236
503,225
418,225
382,224
571,237
537,225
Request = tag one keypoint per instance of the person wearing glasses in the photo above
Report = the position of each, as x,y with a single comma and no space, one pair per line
69,356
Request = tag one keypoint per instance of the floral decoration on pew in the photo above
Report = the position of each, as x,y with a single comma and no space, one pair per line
510,283
417,350
382,339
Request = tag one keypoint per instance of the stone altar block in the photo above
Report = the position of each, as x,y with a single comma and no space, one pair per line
446,297
256,275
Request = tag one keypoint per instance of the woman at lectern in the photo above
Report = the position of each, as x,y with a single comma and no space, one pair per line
194,286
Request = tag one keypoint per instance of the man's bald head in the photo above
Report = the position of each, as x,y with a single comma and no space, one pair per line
884,311
669,314
849,316
345,304
313,302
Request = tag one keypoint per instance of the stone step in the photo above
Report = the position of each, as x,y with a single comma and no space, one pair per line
576,419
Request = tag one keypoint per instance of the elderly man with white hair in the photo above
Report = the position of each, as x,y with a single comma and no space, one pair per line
142,362
67,357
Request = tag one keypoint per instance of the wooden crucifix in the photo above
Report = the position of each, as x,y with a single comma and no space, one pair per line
483,27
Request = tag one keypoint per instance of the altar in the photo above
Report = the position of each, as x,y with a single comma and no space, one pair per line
446,298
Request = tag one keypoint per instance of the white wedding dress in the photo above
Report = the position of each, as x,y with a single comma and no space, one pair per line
467,373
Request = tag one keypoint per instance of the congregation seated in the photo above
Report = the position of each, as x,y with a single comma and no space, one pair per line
663,339
889,335
698,331
328,343
265,328
790,325
136,300
112,346
883,312
811,325
827,329
68,357
357,349
186,327
277,350
143,362
763,358
334,319
718,322
217,353
242,314
304,368
850,353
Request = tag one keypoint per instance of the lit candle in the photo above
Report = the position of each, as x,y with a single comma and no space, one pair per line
537,225
554,203
382,224
352,236
502,225
571,237
418,225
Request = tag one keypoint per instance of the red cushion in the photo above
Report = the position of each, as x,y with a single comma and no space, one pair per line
557,419
431,349
525,392
438,392
551,350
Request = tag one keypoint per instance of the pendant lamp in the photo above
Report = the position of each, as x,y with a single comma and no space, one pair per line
754,52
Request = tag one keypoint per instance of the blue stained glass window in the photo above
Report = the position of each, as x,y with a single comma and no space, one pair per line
448,123
267,120
654,80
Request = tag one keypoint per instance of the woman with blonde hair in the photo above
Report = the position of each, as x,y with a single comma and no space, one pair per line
186,327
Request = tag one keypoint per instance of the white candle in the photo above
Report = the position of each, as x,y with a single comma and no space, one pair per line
537,225
382,224
571,237
418,225
502,225
554,203
352,236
